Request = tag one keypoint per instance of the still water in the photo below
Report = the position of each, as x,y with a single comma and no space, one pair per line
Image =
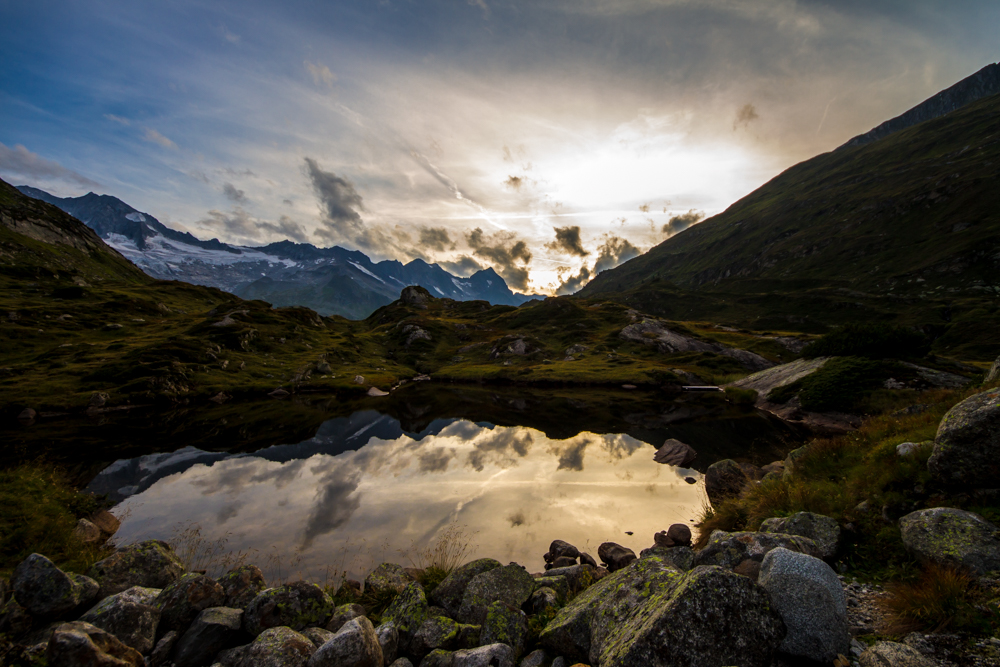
503,474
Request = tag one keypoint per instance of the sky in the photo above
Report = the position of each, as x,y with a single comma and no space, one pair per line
549,139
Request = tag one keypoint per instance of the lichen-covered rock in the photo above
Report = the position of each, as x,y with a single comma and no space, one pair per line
822,530
440,632
81,644
297,605
730,549
150,564
211,631
560,584
46,591
438,658
615,556
181,602
448,594
809,597
492,655
579,576
388,639
131,616
231,657
242,585
724,479
14,619
277,647
343,614
510,584
537,658
407,612
652,613
354,645
681,557
542,600
954,537
505,625
318,636
967,446
893,654
387,577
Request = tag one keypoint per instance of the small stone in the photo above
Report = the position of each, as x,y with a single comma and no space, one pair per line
509,584
277,647
354,645
536,658
376,392
893,654
505,625
952,537
27,415
822,530
543,599
615,556
106,521
493,655
449,592
87,532
559,548
388,639
164,647
359,379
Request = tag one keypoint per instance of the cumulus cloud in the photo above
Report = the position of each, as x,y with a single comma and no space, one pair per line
508,254
463,267
340,204
614,251
745,115
233,194
572,284
436,238
22,162
154,137
568,240
336,500
321,74
680,222
570,453
501,448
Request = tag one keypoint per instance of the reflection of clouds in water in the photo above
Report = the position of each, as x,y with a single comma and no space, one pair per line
570,452
227,512
498,448
336,501
235,474
436,460
517,518
463,430
620,445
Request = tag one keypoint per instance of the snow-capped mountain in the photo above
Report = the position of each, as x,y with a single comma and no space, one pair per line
331,281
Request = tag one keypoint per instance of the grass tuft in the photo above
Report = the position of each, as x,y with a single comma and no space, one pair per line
943,598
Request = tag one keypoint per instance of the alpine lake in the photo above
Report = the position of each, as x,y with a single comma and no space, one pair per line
311,486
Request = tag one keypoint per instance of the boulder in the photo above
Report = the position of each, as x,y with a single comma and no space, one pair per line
731,549
559,584
954,537
724,479
493,655
242,585
615,556
967,447
810,598
163,649
131,616
318,636
277,647
354,645
675,453
213,630
678,535
560,549
510,584
440,632
652,614
680,557
542,600
407,612
893,654
343,614
297,605
562,561
150,564
537,658
448,594
994,373
505,625
14,619
822,530
387,577
438,658
587,559
87,532
181,602
106,521
578,576
80,644
388,639
415,296
47,592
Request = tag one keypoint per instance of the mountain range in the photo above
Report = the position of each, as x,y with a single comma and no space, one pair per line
331,281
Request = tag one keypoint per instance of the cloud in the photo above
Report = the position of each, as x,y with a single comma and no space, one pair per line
504,250
514,182
482,5
340,204
336,500
230,37
233,194
155,137
118,119
241,224
463,267
19,160
745,115
436,460
436,238
321,74
572,284
568,240
614,251
501,448
570,453
680,222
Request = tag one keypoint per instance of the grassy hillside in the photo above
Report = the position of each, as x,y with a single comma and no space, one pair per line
905,229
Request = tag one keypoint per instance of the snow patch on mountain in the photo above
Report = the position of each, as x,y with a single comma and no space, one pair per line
364,270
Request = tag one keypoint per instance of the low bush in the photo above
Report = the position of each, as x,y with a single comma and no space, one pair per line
738,396
942,598
878,341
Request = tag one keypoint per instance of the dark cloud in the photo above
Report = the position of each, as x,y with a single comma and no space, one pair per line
463,267
233,194
436,460
340,204
517,518
680,222
226,512
22,162
613,252
501,448
572,284
570,454
745,115
514,182
336,501
436,238
568,240
504,250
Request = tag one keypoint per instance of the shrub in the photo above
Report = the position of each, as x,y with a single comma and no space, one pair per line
738,396
879,341
941,599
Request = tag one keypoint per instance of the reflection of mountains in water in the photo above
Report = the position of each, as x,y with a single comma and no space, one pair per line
713,427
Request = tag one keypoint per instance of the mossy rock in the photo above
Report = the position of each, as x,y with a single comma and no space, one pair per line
510,584
730,549
449,592
823,530
407,612
150,564
952,537
558,583
505,625
46,591
967,447
278,646
297,605
387,578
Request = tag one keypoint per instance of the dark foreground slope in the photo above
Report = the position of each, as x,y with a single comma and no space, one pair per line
906,228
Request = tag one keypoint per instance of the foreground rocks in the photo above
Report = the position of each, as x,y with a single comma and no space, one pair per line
967,446
952,537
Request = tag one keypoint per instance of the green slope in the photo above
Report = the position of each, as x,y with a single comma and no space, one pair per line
906,228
